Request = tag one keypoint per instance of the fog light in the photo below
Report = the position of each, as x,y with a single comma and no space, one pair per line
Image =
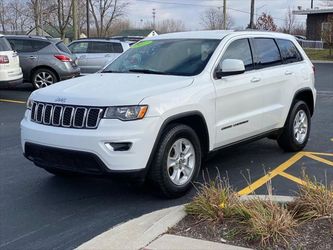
118,146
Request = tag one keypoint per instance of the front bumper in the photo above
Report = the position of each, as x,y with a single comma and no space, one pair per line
91,143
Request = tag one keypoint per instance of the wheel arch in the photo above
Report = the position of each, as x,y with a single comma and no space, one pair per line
44,67
305,95
193,119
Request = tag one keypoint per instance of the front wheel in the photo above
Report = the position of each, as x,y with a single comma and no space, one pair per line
296,132
177,161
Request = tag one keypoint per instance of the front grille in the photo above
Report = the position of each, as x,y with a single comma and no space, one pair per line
67,116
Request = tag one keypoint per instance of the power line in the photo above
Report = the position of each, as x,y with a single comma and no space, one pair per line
202,5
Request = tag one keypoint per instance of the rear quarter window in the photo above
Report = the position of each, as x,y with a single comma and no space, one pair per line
267,52
289,52
4,44
62,47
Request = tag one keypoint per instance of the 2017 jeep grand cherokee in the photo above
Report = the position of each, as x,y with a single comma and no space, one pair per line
167,102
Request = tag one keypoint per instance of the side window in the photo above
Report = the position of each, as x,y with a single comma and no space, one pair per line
27,45
21,45
38,45
4,45
99,47
240,49
117,48
267,53
289,51
79,47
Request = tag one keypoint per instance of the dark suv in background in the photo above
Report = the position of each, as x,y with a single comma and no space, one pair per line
44,61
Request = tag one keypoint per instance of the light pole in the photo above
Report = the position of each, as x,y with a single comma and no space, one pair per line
224,14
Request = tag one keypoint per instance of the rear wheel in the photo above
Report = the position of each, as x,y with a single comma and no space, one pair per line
42,78
296,132
177,161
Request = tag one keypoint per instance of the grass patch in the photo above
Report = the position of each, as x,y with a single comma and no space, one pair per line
315,200
261,222
319,54
214,201
265,221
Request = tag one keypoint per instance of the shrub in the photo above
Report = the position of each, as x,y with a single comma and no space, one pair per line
314,200
214,201
266,221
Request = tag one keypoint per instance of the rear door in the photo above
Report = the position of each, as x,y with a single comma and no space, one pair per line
238,97
28,52
274,81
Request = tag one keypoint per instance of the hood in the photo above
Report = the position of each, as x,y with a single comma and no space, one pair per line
110,89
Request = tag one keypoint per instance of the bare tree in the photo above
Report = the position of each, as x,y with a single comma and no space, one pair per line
212,19
170,25
60,14
289,22
3,15
266,22
105,12
18,17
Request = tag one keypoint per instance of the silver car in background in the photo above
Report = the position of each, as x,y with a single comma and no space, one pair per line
94,54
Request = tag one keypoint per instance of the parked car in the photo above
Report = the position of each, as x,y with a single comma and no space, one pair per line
165,104
44,61
94,54
10,70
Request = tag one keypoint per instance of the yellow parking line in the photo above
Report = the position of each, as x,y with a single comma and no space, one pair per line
12,101
315,153
293,178
258,183
317,158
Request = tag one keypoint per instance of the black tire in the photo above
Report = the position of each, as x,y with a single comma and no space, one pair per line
287,140
158,173
34,78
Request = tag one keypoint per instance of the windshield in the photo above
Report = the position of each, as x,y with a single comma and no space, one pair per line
170,57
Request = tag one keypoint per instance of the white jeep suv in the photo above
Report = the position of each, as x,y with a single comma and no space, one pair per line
161,107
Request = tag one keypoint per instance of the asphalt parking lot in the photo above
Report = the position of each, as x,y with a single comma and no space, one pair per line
40,211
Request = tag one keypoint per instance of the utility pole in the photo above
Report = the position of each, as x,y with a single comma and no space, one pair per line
311,4
154,18
251,25
224,14
88,24
75,19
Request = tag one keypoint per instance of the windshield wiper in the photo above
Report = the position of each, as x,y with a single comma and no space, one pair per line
147,71
112,71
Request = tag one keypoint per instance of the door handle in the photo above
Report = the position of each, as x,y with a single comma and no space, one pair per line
33,57
107,55
287,73
255,79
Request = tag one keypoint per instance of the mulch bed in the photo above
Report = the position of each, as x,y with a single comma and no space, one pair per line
314,234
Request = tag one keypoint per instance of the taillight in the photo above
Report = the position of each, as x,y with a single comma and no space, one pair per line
4,59
314,69
63,58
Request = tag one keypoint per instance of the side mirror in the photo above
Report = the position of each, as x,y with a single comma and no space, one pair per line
230,67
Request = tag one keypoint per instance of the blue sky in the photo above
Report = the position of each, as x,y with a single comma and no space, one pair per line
190,11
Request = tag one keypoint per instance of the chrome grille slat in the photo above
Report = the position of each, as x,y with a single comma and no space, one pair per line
68,116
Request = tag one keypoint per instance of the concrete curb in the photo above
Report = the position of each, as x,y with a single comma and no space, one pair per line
140,232
321,61
137,233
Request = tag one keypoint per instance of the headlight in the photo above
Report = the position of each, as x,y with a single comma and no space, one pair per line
126,113
29,104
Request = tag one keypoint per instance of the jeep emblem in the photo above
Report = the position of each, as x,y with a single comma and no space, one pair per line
59,99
